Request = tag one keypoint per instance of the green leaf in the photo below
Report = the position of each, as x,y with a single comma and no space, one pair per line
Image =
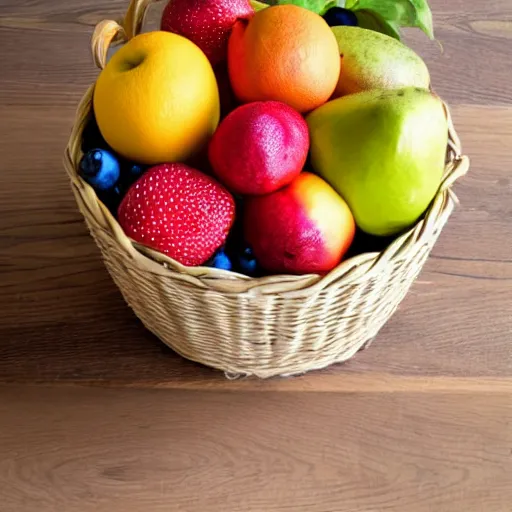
374,21
318,6
398,13
423,17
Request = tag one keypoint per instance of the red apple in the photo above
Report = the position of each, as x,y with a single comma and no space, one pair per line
207,23
259,147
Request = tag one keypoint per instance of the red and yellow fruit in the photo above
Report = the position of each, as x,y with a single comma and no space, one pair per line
303,228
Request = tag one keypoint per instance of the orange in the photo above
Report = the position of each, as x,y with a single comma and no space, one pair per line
157,99
284,53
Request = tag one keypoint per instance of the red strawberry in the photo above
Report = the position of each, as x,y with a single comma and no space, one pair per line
178,211
207,23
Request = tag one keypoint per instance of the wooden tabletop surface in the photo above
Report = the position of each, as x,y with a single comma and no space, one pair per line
97,415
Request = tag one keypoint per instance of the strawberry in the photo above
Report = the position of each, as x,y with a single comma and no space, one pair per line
207,23
178,211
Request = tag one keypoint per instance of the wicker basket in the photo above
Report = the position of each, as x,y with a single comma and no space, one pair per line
279,325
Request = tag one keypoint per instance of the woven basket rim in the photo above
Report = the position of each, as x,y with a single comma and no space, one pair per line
351,270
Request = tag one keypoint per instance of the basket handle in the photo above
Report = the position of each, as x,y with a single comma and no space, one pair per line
108,32
459,164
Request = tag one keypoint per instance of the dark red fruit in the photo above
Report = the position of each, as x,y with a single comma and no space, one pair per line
207,23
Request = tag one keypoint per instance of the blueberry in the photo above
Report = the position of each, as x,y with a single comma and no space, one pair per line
340,16
100,168
247,262
221,260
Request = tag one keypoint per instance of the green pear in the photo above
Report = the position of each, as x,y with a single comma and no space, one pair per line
371,60
384,152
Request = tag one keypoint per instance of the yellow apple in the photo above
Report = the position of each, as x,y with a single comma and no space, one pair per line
157,99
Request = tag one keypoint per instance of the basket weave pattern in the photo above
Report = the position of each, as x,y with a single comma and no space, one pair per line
278,325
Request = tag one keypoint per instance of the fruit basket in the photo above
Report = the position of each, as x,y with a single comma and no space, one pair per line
265,326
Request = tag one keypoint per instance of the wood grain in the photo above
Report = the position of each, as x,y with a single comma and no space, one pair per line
104,450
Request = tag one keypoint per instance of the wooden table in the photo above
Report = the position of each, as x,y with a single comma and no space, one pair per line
96,415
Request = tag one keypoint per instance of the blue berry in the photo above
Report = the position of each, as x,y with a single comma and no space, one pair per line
100,168
339,16
247,262
221,261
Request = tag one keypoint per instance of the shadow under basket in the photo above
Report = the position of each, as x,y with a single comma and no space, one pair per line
278,325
